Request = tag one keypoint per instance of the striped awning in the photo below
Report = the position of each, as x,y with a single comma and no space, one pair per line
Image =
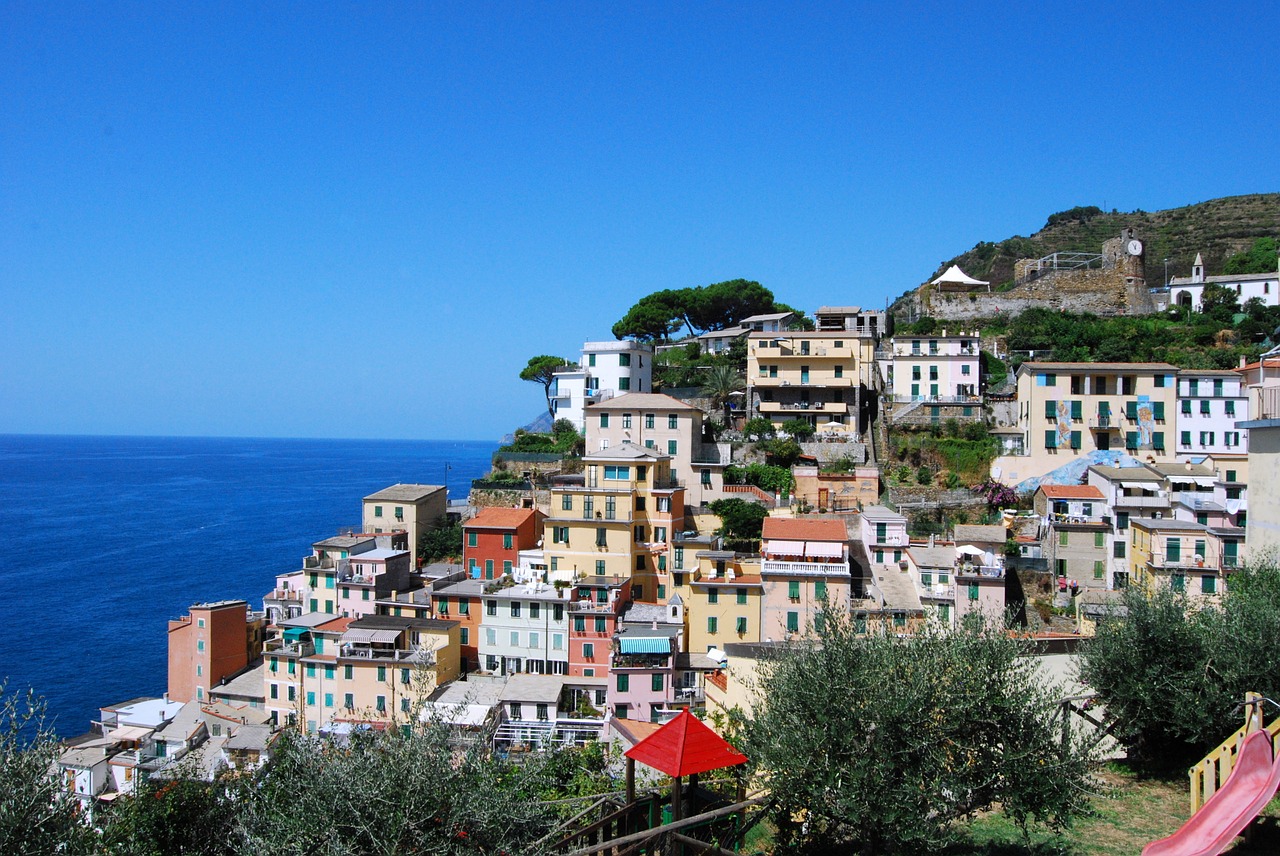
824,549
787,548
645,644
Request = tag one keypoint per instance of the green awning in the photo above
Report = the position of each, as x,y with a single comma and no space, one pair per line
645,644
293,634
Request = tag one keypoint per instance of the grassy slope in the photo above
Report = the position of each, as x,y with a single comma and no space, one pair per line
1216,229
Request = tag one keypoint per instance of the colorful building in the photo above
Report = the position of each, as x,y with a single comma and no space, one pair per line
593,620
493,539
212,642
804,570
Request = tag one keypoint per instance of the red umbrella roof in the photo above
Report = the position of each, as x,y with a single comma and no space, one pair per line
683,747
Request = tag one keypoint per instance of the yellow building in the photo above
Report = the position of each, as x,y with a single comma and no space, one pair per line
1176,554
814,376
722,601
1067,411
619,518
376,669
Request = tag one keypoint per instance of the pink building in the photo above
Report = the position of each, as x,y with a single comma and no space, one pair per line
803,569
593,620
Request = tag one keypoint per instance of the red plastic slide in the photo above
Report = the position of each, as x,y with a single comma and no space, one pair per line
1246,792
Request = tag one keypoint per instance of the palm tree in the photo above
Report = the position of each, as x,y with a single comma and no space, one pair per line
721,385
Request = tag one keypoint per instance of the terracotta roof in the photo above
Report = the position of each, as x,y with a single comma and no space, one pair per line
642,401
1071,491
492,517
799,529
337,625
684,747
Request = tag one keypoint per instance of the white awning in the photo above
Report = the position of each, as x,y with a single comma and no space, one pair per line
824,549
789,548
360,635
969,550
1142,485
130,732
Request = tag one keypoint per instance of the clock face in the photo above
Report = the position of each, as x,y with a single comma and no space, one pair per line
1135,248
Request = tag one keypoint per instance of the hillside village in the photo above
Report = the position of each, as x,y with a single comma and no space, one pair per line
638,559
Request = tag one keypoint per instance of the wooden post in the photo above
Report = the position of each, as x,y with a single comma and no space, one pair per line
676,799
631,780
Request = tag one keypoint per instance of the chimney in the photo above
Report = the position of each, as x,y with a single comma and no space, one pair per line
655,624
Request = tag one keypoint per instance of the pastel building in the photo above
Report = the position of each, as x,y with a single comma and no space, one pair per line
934,376
607,369
524,629
1176,554
1068,411
461,601
821,376
593,615
212,642
883,534
413,508
618,518
804,569
493,539
1210,403
1076,533
663,424
935,567
725,601
643,663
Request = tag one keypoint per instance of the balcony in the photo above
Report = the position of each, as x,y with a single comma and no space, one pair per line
311,563
1196,500
1080,519
1182,561
938,590
590,607
1104,422
937,399
1125,501
805,569
284,596
839,407
640,661
990,571
289,649
419,657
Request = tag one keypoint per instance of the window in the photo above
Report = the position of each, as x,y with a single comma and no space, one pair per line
404,677
604,420
712,624
515,638
515,609
311,670
442,605
793,622
464,636
602,536
491,607
506,540
671,447
533,640
1051,439
599,567
1075,439
557,641
1099,539
915,373
349,701
673,422
1185,438
377,511
657,683
626,420
199,644
973,592
624,683
1205,409
617,473
839,371
624,359
579,624
471,539
1117,549
1230,407
1062,538
1159,380
820,587
1178,582
1206,438
275,691
742,625
1173,549
1231,475
1157,411
624,383
1098,569
926,579
793,590
1186,407
589,651
742,596
713,595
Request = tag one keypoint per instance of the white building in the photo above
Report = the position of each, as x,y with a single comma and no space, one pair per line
607,369
524,630
937,369
1188,290
1210,403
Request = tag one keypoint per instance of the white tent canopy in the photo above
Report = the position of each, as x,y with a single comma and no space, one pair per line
968,550
956,276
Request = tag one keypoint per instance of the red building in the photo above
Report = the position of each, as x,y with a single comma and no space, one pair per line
493,539
593,619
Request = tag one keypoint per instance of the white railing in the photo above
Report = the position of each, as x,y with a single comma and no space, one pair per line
810,569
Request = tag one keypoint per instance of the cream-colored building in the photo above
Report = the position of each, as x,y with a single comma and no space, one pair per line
667,425
723,601
821,376
1177,554
618,518
415,508
1096,412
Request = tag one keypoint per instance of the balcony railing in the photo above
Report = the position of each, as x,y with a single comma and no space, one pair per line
290,649
1123,501
1183,561
980,570
1087,519
806,569
938,399
1267,403
591,607
285,595
1196,500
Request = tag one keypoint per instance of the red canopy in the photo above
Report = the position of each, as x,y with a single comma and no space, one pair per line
683,747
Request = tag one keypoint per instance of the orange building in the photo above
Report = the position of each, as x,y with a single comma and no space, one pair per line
493,539
215,641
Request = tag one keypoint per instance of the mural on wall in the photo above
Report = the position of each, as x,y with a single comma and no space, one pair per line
1064,424
1146,421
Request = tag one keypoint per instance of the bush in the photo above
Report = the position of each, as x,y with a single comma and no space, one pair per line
758,428
739,519
798,428
924,476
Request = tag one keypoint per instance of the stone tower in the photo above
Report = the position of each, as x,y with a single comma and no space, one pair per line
1126,255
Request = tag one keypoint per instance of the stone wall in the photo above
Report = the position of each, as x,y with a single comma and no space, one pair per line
826,452
1102,292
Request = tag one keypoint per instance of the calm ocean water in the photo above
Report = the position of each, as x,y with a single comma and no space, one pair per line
106,538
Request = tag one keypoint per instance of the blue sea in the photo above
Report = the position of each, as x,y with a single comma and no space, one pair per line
107,538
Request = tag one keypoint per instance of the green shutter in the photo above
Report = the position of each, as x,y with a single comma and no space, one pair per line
1157,410
1075,439
1077,410
1051,439
1131,410
1051,409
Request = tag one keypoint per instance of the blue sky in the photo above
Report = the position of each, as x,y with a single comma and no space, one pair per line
320,220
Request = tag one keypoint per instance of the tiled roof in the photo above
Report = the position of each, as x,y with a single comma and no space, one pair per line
1071,491
1097,367
492,517
338,625
800,529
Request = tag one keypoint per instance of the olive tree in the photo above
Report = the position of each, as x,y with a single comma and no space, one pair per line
880,744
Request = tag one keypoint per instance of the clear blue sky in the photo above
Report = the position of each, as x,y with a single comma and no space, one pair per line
361,221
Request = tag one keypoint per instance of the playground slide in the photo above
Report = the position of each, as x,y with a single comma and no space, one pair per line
1246,792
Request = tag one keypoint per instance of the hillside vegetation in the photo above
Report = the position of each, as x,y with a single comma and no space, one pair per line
1217,229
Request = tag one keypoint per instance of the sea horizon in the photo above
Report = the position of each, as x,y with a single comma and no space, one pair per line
110,536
